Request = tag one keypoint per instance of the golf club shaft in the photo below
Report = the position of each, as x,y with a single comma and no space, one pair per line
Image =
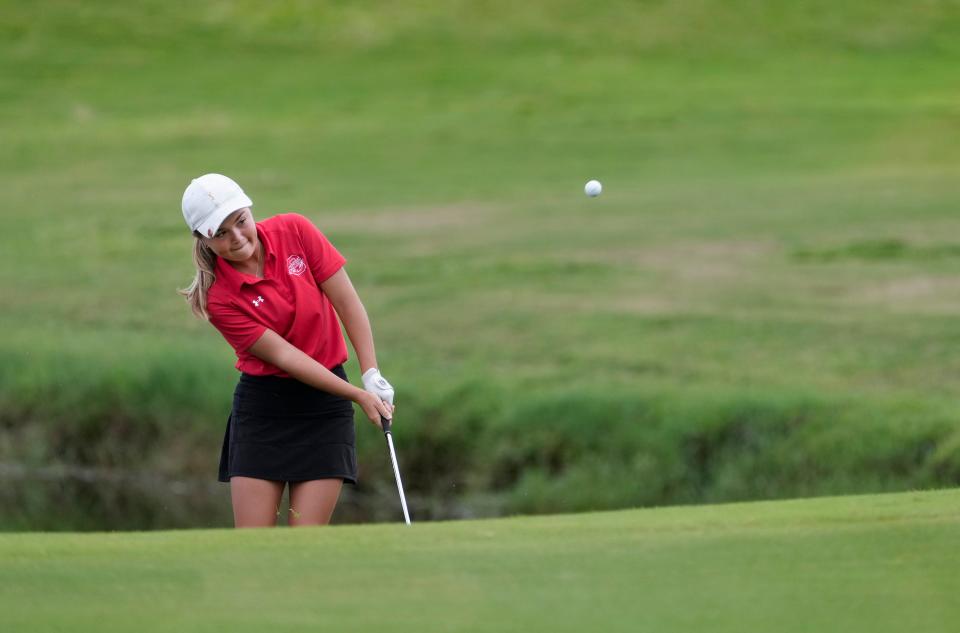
396,469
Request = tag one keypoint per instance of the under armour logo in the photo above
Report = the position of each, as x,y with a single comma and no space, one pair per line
256,302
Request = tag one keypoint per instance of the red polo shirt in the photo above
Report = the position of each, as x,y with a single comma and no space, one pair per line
287,300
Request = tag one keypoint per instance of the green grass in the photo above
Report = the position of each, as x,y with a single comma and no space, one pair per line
779,223
870,564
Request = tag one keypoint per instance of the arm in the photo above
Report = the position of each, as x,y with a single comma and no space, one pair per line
274,349
339,289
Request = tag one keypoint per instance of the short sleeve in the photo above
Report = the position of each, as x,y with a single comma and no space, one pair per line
236,327
322,257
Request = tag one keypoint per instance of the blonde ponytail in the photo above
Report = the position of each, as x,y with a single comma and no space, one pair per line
196,293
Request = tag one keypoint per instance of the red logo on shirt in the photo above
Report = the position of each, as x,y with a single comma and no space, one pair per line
296,265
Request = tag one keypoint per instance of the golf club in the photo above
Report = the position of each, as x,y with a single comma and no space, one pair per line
385,423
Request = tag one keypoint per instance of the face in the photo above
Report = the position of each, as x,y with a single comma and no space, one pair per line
236,239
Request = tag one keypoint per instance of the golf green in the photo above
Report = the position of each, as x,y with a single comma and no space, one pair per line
853,564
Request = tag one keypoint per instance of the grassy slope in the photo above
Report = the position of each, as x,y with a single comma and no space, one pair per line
870,564
463,147
754,156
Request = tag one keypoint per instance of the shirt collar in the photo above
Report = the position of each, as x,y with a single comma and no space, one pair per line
236,279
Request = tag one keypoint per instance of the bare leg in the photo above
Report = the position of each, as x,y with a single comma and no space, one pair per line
312,502
255,501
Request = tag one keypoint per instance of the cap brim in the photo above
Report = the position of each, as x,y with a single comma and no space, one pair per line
215,219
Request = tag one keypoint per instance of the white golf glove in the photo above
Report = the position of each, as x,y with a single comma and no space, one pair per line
377,385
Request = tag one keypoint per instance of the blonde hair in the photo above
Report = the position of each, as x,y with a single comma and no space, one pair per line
196,293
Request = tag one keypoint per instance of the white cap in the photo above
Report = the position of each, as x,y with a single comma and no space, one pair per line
209,199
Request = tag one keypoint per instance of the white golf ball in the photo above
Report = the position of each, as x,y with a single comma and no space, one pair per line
593,188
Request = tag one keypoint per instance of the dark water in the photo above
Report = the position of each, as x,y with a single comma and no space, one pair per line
88,499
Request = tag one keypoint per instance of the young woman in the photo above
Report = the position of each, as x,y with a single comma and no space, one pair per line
275,289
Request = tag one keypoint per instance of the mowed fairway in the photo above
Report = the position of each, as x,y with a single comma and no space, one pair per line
851,564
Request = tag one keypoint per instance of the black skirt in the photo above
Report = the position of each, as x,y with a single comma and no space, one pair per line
284,430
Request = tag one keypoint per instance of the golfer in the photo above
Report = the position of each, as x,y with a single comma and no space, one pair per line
275,289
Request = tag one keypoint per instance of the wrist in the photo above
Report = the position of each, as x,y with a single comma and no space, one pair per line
356,393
